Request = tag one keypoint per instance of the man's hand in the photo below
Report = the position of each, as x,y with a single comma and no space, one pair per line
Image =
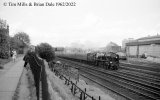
27,68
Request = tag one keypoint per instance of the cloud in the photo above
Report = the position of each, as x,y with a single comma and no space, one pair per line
85,44
90,21
15,27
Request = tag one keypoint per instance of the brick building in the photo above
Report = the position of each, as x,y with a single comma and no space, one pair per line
149,46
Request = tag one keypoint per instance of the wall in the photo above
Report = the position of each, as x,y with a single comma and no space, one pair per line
150,50
131,50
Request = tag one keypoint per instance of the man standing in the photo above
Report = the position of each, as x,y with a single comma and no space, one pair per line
14,55
34,62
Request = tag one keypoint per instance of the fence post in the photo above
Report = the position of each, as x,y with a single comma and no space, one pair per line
92,98
74,89
76,82
78,74
99,98
65,81
81,96
84,94
68,81
71,87
61,77
56,72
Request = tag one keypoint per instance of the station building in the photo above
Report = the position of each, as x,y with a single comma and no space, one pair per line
150,46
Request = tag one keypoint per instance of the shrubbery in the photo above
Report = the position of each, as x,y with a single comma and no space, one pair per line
4,42
45,51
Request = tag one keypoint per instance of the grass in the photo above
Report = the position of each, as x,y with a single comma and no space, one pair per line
31,86
4,61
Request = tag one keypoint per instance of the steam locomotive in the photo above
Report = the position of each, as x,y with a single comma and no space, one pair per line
108,60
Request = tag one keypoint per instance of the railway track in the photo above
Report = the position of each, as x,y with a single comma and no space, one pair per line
155,71
129,85
154,67
143,64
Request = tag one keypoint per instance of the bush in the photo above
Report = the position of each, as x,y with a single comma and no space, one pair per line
4,55
45,51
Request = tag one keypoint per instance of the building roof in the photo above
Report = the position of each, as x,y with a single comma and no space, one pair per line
149,37
145,41
111,44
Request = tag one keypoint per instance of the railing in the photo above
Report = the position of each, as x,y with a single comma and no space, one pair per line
74,88
40,77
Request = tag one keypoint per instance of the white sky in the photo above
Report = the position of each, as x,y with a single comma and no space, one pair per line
91,22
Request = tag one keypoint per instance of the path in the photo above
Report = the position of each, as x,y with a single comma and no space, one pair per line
10,79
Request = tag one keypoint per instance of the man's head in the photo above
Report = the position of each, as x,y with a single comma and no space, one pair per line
32,48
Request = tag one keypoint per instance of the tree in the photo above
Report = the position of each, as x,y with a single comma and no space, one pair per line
46,51
19,41
4,39
15,43
23,37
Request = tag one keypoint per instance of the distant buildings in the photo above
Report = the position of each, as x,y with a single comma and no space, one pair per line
112,47
149,46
